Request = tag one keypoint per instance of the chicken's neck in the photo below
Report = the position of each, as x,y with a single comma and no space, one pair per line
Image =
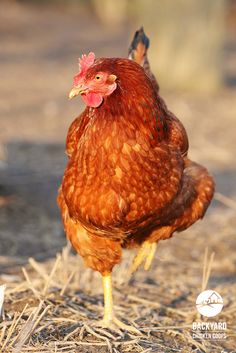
129,116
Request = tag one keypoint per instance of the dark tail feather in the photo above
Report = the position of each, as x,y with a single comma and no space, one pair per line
138,52
139,38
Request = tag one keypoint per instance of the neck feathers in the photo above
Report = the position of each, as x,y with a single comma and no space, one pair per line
134,105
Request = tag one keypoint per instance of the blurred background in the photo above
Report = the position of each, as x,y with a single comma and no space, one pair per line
192,53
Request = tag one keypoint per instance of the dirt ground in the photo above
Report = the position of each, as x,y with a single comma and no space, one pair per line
38,60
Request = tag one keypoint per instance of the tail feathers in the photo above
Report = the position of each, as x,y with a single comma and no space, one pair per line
140,43
138,53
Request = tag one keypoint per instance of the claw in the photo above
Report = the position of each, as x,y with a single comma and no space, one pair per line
117,325
146,254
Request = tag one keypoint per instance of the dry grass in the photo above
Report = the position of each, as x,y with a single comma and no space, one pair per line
52,306
49,308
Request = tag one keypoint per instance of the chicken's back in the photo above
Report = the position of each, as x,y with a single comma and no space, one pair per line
197,188
176,133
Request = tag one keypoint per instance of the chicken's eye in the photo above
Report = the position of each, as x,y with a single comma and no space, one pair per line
98,77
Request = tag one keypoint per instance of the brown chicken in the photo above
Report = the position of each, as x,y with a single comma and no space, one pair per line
128,182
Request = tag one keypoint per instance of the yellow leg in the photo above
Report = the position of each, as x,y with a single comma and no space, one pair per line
109,319
145,254
150,256
108,299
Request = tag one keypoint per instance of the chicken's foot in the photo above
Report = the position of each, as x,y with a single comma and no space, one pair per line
110,320
145,254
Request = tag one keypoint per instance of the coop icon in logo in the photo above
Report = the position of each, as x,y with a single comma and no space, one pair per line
209,303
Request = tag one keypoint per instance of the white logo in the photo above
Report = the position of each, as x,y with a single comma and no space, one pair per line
209,303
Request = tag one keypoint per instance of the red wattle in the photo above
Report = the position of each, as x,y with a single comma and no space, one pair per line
92,99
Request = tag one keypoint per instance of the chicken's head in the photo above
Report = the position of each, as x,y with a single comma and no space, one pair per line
93,85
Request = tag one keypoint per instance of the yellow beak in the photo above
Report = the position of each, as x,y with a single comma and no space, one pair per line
76,91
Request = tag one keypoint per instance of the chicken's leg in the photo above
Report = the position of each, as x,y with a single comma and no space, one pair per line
145,254
109,319
108,299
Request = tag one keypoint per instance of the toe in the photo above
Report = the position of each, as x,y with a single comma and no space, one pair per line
117,325
126,327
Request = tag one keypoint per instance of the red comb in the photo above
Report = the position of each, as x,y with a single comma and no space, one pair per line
85,62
